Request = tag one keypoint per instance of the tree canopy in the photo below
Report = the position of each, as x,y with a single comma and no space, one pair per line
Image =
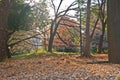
19,17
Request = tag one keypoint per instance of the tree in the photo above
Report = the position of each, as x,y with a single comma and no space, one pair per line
56,21
5,6
12,14
79,16
37,21
41,18
87,32
103,19
113,31
67,36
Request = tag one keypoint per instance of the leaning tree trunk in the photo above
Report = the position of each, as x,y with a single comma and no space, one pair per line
87,33
114,30
100,47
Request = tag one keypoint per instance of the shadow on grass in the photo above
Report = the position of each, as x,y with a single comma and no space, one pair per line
98,62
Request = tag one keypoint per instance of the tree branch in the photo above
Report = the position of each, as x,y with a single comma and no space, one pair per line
12,44
94,27
62,39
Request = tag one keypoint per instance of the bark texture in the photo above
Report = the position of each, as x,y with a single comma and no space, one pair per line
4,12
114,30
87,33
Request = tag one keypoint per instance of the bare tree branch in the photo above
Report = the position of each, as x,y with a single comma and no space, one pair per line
12,44
53,6
59,6
61,39
94,27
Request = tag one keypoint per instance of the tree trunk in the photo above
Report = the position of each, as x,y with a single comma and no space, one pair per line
44,40
103,21
80,28
100,44
45,47
4,12
100,47
50,45
114,31
3,43
87,33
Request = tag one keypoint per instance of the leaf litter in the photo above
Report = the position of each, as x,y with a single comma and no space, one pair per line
59,67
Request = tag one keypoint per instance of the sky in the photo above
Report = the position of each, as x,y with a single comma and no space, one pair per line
64,5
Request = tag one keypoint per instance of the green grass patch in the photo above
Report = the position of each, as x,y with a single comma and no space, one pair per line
24,55
39,52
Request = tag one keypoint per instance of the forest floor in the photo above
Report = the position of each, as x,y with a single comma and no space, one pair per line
59,67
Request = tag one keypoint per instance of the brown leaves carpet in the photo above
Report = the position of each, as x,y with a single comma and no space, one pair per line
59,67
